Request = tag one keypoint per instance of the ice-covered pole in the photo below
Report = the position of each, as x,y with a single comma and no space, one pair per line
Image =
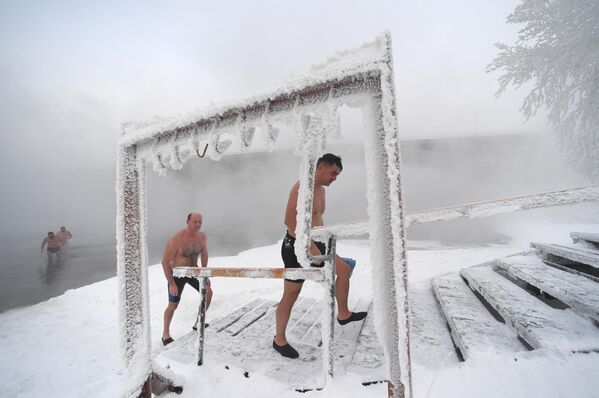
387,230
131,272
311,147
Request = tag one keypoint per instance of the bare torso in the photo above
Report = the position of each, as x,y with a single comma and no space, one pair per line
52,242
185,249
318,208
63,236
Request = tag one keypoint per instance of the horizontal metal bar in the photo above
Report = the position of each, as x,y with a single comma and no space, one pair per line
473,210
313,274
269,104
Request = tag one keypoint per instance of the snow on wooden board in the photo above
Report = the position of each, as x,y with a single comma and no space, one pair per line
245,343
431,344
473,329
585,239
589,237
577,254
580,293
538,324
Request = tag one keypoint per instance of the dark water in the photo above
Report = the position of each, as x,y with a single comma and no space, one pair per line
29,276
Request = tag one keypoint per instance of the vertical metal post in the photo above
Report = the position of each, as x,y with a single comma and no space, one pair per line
131,272
201,322
328,321
387,230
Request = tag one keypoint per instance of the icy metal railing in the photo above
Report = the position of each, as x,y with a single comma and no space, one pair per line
473,210
325,275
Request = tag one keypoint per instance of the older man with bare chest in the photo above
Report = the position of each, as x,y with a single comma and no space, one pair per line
183,250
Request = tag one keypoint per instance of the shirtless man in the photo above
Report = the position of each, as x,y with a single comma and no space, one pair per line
53,244
64,236
183,250
328,168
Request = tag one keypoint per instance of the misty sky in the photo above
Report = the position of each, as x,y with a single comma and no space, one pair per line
72,71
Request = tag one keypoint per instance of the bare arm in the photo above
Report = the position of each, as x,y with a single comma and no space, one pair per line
167,260
204,254
291,211
43,244
291,217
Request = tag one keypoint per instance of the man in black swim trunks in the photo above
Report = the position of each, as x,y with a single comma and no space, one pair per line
183,250
54,244
327,169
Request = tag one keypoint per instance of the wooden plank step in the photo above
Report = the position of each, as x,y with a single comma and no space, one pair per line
578,292
368,359
577,254
537,323
249,317
346,336
590,240
473,329
222,323
304,324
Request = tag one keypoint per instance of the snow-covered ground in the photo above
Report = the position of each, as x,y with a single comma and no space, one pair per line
68,346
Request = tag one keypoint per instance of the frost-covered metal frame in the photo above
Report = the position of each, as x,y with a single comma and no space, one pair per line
360,77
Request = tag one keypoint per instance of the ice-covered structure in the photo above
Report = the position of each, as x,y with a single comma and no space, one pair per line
361,77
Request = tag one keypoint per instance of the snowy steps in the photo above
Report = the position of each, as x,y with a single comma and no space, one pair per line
243,340
473,329
576,254
588,239
540,325
579,293
530,297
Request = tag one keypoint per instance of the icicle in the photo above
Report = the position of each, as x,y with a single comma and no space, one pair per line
157,162
332,118
271,133
217,146
246,133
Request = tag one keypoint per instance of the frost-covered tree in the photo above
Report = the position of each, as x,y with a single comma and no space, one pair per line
557,51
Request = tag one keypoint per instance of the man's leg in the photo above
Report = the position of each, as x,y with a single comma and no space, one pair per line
291,291
342,288
208,301
168,317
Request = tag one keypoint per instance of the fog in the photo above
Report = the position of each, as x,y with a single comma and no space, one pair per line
71,72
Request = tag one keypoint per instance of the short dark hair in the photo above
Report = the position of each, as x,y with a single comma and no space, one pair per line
330,159
50,233
189,216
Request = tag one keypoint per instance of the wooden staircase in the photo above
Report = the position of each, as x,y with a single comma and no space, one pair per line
547,298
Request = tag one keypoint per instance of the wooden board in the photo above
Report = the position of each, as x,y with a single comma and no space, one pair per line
577,254
473,329
242,341
538,324
580,293
590,240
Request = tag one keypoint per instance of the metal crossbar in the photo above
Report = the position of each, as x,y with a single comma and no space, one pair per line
473,210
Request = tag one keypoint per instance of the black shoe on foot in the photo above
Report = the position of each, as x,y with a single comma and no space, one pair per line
286,350
355,316
167,341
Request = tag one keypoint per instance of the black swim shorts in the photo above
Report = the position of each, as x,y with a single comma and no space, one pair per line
290,259
181,282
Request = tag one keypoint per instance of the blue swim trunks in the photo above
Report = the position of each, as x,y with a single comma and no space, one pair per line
351,262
